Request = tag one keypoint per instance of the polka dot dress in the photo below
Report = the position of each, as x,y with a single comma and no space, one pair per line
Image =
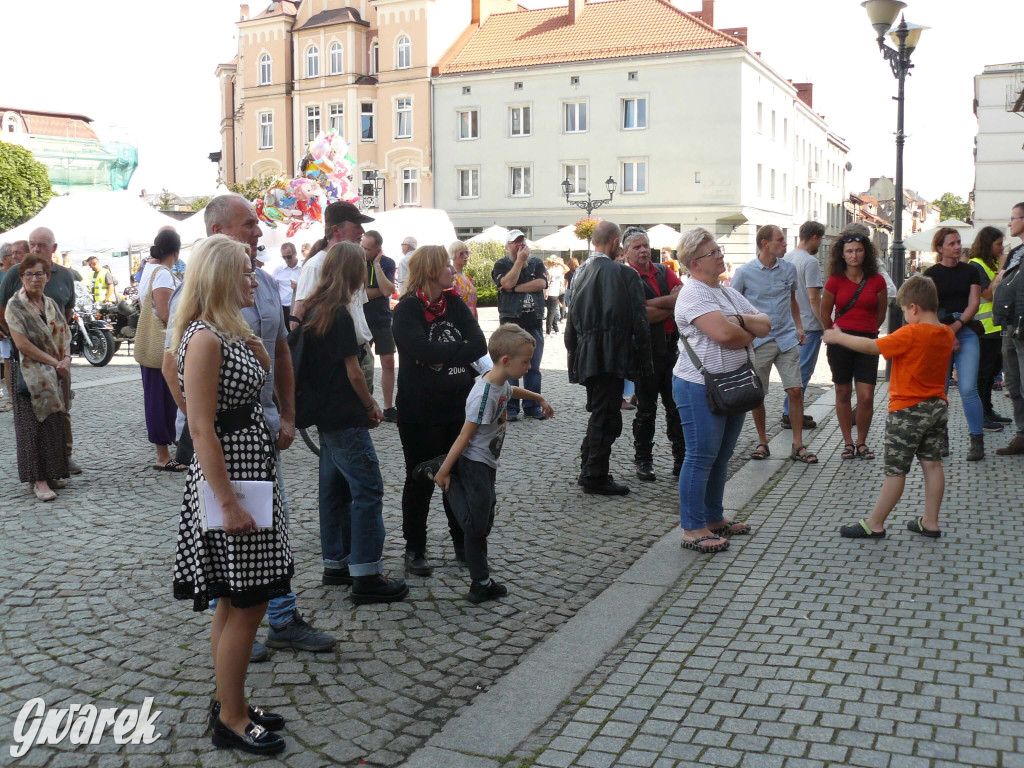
248,568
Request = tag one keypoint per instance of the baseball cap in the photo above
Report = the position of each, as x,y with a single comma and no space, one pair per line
340,211
513,235
410,241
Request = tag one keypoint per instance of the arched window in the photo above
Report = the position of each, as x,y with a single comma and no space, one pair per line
312,61
265,71
337,59
374,59
404,51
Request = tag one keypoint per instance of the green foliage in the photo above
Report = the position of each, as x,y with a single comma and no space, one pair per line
24,186
200,202
250,189
166,200
481,261
953,207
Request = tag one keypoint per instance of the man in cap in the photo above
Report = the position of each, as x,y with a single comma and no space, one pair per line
521,280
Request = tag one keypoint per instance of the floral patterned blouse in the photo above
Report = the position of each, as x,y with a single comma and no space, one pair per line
466,290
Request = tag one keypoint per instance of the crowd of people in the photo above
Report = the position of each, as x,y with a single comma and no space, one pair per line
299,347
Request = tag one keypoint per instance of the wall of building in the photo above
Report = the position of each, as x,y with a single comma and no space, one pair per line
999,154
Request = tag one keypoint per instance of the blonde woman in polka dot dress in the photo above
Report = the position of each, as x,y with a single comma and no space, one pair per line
242,565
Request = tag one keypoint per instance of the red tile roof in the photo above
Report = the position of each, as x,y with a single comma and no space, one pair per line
604,30
62,124
285,8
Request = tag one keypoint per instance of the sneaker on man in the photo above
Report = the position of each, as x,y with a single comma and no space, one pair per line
391,415
993,416
259,652
990,425
479,593
298,635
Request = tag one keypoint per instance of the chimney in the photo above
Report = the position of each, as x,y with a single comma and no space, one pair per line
707,12
804,92
480,9
576,10
245,12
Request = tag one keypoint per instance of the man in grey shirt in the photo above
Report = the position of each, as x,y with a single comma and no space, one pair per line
808,296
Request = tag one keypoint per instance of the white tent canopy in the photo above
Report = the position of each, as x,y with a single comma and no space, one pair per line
430,226
922,241
663,236
494,234
563,240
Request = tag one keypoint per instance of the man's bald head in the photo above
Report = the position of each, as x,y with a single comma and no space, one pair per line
42,242
234,216
606,238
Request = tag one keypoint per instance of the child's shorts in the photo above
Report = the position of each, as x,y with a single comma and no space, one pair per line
919,430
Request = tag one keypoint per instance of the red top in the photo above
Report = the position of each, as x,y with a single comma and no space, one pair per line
862,316
920,360
671,278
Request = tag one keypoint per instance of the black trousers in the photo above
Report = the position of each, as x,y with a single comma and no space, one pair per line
551,318
645,420
989,364
604,403
472,498
419,443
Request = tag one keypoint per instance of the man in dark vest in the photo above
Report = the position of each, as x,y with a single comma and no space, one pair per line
661,285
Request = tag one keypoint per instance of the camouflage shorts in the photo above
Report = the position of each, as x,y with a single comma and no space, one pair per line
919,430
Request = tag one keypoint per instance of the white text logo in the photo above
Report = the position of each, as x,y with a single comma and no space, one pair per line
82,725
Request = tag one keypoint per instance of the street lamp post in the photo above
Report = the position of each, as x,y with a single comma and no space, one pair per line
882,14
366,202
589,205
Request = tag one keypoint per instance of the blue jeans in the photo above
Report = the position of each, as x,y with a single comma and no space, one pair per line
628,389
966,362
710,441
351,502
808,359
531,380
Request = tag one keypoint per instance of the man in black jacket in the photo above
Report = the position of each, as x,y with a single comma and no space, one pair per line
1013,344
608,340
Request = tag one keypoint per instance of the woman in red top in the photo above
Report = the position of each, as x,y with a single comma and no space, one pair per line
851,263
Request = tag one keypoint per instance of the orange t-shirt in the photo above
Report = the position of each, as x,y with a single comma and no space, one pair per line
920,360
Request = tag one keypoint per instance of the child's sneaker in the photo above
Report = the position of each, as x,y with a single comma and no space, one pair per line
479,593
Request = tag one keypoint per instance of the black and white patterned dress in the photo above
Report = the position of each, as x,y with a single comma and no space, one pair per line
248,568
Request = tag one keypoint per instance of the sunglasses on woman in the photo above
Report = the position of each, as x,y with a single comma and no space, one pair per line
854,239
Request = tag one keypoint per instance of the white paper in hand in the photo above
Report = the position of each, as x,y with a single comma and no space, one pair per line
255,496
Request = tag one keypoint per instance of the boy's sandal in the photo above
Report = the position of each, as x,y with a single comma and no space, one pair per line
8,406
849,451
696,545
801,454
860,530
761,452
917,526
731,528
863,452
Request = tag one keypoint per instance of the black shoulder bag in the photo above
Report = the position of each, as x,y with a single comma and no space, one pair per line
853,301
735,391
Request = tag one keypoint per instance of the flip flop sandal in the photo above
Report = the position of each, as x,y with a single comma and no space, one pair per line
801,454
863,452
695,545
727,529
917,526
171,466
761,452
849,451
860,530
8,406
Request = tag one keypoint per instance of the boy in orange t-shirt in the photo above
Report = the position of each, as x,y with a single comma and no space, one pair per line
916,424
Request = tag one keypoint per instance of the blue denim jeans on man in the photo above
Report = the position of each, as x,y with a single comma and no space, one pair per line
351,506
808,359
710,441
966,361
531,380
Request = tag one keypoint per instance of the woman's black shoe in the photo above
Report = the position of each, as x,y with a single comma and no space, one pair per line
268,720
257,739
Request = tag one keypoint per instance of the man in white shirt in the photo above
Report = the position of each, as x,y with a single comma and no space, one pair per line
408,246
808,297
287,276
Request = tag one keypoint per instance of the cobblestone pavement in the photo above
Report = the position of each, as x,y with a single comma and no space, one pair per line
89,617
799,649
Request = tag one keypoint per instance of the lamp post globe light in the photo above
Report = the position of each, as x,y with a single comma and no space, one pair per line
589,205
366,202
882,15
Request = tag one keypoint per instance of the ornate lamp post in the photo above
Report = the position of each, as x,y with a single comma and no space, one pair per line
589,205
366,202
882,14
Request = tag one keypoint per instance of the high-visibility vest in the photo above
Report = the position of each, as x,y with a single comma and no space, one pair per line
985,309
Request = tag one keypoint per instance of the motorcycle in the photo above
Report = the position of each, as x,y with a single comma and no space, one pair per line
91,336
123,317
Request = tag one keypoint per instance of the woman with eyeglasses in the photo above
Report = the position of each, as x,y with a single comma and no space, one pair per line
959,290
854,300
42,338
463,285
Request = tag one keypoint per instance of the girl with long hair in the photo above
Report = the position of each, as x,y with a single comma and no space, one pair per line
986,253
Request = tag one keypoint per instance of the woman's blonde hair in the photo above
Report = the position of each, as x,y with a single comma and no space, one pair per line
342,273
425,264
213,291
691,240
455,247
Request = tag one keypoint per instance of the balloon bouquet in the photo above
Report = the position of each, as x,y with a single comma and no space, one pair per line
326,171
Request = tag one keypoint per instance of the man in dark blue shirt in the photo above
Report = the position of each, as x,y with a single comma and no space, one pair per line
380,284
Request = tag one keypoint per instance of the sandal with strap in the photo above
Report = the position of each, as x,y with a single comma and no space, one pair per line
761,452
917,526
801,454
730,528
696,545
863,452
860,530
849,451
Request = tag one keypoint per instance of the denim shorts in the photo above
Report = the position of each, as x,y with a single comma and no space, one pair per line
919,430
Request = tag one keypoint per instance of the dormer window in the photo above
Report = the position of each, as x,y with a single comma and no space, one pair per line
403,58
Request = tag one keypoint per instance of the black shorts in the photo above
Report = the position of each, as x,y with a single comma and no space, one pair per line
848,366
383,339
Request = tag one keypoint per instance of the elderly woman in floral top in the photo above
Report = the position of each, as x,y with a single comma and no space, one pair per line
459,254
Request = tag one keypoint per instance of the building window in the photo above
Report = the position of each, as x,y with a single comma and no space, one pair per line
632,75
576,173
403,53
574,80
337,59
469,182
466,90
312,122
517,85
469,124
366,188
773,183
575,113
374,59
266,130
519,121
521,181
634,113
265,69
760,117
634,176
336,113
760,174
785,131
403,119
773,125
312,61
367,129
410,186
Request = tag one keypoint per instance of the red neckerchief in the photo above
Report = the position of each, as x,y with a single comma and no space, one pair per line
434,310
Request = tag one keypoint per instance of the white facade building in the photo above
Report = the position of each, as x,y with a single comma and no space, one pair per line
999,147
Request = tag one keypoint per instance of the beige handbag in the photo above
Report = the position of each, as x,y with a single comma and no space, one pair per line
149,336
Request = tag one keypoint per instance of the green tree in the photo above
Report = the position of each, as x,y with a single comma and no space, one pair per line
24,186
481,261
953,207
166,199
251,188
200,202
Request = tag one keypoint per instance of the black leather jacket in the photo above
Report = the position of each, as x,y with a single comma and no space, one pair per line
607,329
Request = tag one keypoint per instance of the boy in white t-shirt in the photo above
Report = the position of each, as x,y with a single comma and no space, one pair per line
468,472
